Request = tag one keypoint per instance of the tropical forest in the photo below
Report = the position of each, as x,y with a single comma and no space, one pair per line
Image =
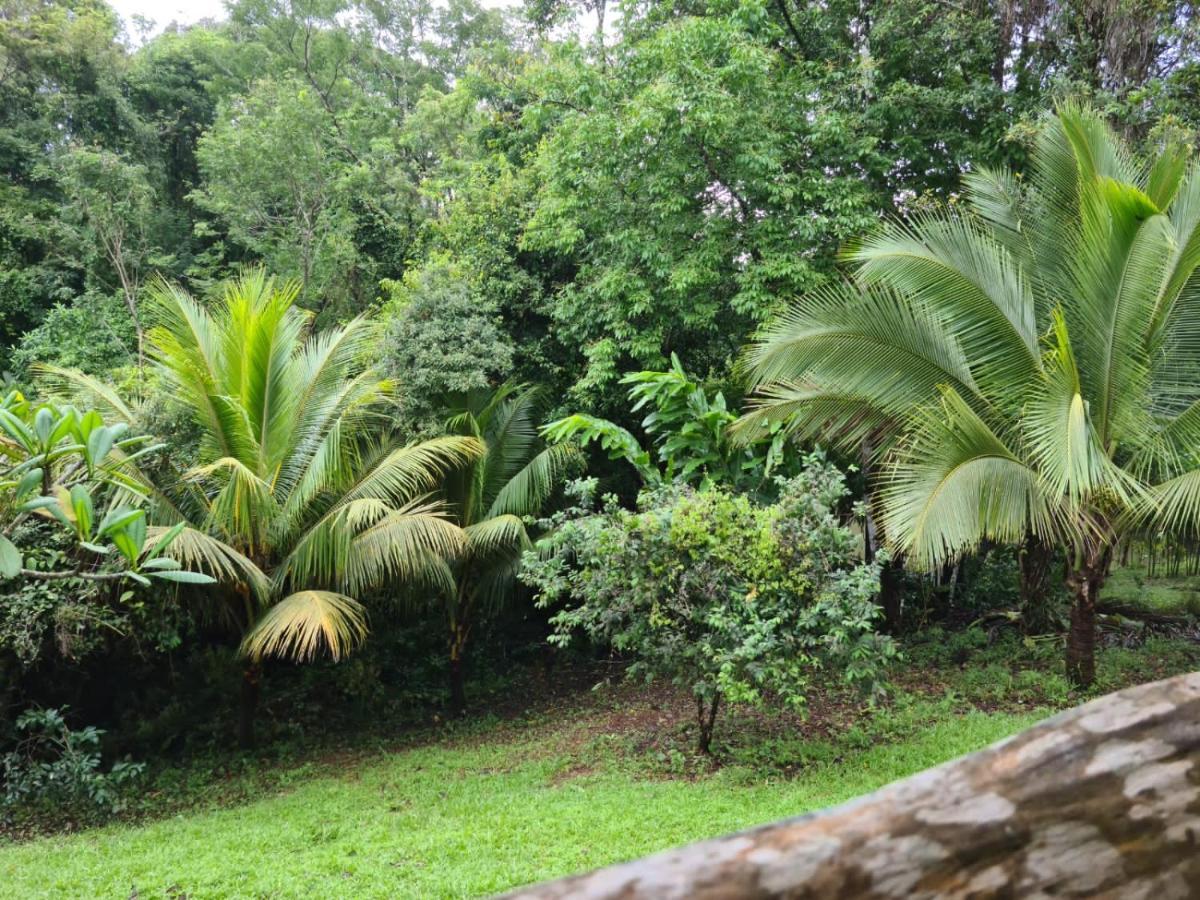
452,445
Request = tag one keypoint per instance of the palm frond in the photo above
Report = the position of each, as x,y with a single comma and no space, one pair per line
1063,441
528,489
969,278
511,434
306,623
74,385
201,552
501,536
403,546
822,413
1118,271
870,343
243,504
954,482
414,469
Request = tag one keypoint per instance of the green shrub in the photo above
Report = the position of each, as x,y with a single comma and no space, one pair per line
728,599
56,766
93,333
441,340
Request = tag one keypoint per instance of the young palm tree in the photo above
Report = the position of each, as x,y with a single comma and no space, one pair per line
300,501
1029,358
489,499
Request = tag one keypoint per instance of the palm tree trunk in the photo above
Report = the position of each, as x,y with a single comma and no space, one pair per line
1081,639
1085,581
248,704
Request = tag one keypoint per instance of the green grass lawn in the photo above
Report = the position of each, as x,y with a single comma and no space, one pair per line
1170,595
457,820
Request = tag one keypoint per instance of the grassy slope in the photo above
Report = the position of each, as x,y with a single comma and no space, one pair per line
452,821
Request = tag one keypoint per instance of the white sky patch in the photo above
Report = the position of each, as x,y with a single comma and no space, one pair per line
189,12
164,12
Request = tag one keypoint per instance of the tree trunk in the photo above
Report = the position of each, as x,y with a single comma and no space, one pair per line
1085,580
458,675
248,705
1100,801
706,718
891,594
1081,638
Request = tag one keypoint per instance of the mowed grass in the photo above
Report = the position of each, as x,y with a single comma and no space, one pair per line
455,821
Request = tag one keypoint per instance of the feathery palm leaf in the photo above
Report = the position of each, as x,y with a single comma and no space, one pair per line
1033,365
307,622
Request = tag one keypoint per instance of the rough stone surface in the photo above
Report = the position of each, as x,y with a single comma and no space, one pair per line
1100,801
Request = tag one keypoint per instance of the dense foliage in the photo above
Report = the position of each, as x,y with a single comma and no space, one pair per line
60,768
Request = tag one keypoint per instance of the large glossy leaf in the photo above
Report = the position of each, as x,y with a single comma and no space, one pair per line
10,559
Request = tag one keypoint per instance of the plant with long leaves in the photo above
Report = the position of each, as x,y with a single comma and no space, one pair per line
1023,363
490,499
688,430
301,500
73,457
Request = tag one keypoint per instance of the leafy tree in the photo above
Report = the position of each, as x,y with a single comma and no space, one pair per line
93,334
441,339
682,176
114,204
312,169
301,500
724,598
273,175
62,67
491,498
1029,354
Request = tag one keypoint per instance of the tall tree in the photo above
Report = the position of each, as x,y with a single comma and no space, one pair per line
490,499
301,500
1030,355
114,206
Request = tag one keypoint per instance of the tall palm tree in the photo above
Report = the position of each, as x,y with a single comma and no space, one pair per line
301,500
489,499
1029,357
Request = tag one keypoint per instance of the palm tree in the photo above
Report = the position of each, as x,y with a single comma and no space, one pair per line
301,500
1026,360
489,499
